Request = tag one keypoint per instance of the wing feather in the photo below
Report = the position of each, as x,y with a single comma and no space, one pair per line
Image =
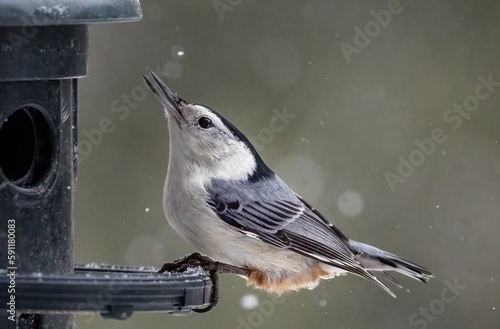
286,222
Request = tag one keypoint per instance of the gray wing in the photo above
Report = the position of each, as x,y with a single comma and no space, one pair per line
270,211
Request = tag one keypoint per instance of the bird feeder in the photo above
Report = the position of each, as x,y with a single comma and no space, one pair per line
44,49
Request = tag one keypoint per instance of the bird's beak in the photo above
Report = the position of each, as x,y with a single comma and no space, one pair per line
167,97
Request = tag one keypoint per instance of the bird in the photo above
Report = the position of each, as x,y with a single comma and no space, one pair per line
221,197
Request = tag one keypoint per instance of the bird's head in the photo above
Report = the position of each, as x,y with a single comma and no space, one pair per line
202,138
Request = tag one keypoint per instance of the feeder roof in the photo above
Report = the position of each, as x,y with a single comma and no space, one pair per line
68,12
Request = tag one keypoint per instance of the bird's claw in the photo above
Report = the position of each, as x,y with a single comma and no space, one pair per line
183,263
212,267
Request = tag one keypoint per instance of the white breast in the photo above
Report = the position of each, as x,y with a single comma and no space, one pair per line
184,203
195,222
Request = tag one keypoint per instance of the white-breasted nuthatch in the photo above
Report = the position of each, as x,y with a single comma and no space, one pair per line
222,198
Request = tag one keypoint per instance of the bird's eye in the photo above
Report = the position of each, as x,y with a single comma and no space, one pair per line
205,122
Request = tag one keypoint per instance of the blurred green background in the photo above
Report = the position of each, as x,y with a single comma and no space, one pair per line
355,115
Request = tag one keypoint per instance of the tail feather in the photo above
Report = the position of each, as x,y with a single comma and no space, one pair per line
391,279
380,261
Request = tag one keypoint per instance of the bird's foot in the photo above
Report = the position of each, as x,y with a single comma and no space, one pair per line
183,263
212,267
